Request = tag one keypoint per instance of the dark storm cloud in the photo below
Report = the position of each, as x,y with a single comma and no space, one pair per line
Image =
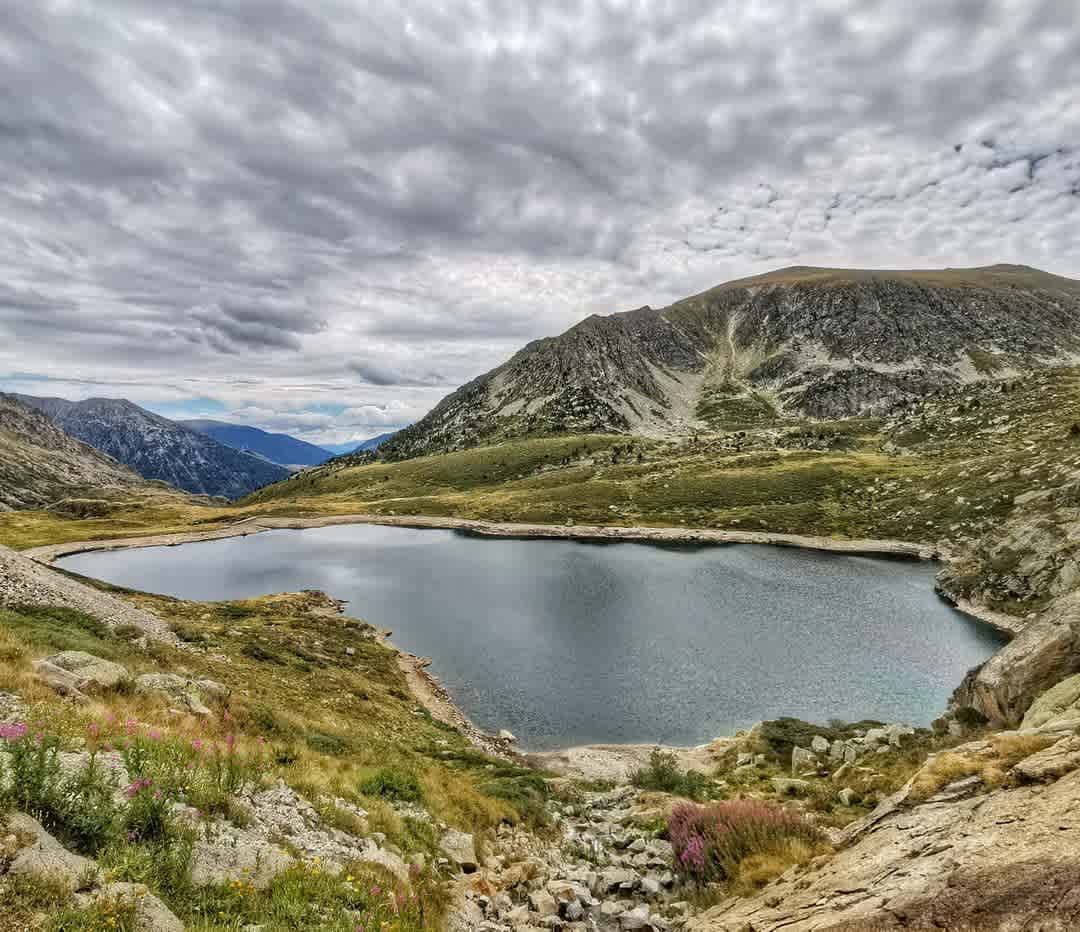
300,183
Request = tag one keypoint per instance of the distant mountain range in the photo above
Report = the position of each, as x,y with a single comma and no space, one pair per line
795,343
41,465
157,448
277,448
373,443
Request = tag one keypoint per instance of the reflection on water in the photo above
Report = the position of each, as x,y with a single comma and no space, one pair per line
568,643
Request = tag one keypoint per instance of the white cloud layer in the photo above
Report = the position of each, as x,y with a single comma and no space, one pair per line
321,215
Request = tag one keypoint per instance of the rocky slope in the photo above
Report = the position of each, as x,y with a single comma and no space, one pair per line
798,342
41,465
277,448
157,448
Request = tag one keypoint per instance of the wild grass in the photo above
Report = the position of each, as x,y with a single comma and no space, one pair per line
664,775
992,766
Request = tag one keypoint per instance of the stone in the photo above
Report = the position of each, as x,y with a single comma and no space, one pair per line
744,758
637,918
506,735
790,786
232,853
95,673
875,736
1050,764
1059,701
836,750
637,845
819,744
846,795
802,759
615,878
212,689
574,911
895,734
174,689
460,849
650,886
62,682
543,903
45,858
151,914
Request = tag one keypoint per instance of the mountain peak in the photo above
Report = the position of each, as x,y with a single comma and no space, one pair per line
797,342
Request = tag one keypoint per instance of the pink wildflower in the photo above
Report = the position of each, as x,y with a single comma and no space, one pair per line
13,732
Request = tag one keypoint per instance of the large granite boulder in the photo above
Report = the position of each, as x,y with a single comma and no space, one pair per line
177,690
1046,652
44,858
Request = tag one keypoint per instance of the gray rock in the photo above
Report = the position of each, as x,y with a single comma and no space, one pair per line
174,689
802,759
790,786
637,918
846,795
95,673
151,915
650,886
507,735
543,903
1050,764
615,878
819,744
232,853
459,847
60,681
896,733
46,859
1060,701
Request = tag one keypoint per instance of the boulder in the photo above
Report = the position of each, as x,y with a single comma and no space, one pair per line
790,786
846,795
636,918
543,903
94,673
615,878
506,735
1060,701
44,858
895,734
151,915
62,682
236,854
174,689
802,759
1050,764
819,744
459,848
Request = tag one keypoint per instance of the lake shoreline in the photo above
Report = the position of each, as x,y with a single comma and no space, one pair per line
599,761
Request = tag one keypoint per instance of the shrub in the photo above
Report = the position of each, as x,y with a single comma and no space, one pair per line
738,839
391,783
331,745
662,773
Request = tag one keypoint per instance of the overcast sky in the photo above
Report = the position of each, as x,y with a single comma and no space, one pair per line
320,216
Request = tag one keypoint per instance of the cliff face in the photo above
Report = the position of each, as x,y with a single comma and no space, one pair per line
820,343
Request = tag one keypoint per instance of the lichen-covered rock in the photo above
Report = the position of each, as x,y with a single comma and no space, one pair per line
94,673
44,858
232,853
175,689
1059,701
151,914
459,848
1050,764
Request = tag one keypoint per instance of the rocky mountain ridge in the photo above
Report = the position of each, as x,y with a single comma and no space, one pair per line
40,464
277,448
157,448
796,343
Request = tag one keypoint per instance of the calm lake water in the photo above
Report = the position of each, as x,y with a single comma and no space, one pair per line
570,643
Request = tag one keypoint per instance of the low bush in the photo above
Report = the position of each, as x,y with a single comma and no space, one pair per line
741,842
663,774
391,783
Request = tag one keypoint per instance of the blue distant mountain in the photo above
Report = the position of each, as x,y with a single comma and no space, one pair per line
371,444
277,448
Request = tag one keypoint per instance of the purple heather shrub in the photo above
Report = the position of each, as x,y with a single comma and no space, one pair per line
710,841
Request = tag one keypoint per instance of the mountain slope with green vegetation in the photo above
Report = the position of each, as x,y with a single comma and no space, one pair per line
824,343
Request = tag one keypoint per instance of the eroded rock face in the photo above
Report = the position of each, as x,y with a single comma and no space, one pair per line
1005,859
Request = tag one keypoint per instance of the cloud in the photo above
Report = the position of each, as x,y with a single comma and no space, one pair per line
269,203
